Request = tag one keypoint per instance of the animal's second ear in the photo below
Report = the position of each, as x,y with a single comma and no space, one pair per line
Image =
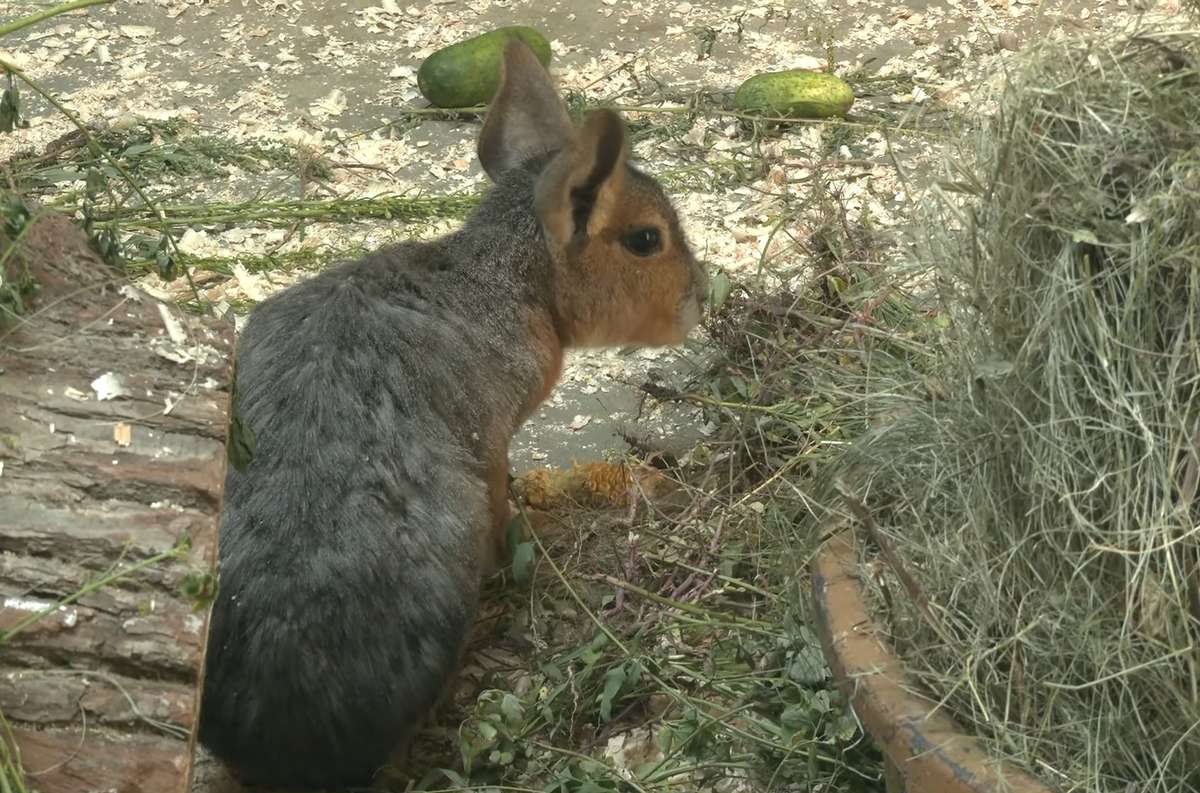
578,194
527,117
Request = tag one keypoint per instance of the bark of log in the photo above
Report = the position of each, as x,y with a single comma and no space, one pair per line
102,693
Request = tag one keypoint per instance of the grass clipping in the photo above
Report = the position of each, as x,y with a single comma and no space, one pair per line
1047,504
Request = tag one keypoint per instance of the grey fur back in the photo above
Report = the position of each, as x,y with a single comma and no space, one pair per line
348,576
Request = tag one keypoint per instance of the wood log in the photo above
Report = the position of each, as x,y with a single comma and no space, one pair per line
113,412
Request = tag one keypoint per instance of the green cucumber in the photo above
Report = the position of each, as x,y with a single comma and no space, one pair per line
467,74
795,93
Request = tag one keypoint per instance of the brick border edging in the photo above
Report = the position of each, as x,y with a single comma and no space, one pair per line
925,748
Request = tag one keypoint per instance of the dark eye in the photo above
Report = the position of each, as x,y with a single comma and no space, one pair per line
643,242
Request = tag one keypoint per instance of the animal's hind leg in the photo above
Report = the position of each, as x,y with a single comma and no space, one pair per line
494,546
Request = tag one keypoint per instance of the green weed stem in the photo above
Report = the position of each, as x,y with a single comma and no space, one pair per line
287,212
96,150
41,16
111,576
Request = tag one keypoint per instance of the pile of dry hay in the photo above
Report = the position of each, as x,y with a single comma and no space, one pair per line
1047,502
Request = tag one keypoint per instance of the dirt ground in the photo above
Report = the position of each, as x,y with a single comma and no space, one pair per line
337,77
332,76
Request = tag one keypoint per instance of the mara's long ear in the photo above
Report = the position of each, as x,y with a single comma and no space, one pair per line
579,192
527,117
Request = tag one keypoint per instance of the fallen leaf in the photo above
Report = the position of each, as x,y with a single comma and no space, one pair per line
122,433
1138,215
108,386
248,283
136,31
174,326
332,104
198,244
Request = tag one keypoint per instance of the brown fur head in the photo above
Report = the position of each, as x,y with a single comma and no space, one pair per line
623,271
